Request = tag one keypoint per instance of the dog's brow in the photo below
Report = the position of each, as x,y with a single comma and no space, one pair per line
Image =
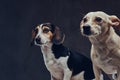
45,27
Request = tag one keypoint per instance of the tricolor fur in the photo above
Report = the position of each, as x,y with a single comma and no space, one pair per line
61,62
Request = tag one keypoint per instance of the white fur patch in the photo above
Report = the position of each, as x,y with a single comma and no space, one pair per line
57,67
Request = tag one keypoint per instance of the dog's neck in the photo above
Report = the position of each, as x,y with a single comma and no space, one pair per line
46,47
54,50
104,43
107,43
46,50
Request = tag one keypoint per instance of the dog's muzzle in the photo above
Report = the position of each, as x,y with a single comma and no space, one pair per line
36,41
87,30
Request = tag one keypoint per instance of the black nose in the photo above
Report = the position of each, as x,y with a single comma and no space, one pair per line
87,29
38,40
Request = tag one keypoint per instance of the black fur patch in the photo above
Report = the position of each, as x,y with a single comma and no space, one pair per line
76,61
59,51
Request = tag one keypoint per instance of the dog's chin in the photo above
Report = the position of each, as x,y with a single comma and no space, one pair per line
38,44
41,44
90,35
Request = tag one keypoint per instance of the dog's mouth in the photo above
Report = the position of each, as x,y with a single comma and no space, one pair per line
87,33
90,32
37,42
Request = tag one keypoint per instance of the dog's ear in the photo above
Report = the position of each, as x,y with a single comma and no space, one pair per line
114,20
58,36
34,33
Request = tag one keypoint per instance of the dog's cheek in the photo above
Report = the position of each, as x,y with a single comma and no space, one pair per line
95,29
81,27
104,28
49,36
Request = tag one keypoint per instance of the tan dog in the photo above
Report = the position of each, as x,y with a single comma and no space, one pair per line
105,50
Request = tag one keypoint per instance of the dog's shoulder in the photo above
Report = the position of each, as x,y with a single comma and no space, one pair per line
78,62
59,51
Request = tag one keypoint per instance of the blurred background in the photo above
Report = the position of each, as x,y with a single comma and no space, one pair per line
20,61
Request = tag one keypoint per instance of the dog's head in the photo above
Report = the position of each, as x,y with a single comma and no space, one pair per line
96,23
47,33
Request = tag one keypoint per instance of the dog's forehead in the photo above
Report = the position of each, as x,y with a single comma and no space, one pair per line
97,14
49,26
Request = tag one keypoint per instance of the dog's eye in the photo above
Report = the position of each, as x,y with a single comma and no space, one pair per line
46,30
84,20
98,19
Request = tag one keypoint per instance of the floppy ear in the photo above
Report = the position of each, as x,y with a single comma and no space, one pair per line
114,20
58,36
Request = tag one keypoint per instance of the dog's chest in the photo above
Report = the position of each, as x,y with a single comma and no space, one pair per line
55,66
105,64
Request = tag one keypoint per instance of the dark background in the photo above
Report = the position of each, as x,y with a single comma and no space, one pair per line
19,61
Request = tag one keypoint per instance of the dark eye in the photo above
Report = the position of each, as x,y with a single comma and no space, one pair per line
98,19
46,30
84,20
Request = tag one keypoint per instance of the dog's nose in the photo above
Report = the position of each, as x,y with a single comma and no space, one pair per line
87,29
38,40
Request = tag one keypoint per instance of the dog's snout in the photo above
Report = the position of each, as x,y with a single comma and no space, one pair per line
87,29
38,40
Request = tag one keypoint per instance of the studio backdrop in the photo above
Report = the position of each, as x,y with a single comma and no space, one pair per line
20,61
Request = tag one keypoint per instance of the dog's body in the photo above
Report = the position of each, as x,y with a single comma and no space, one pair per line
65,64
61,62
105,50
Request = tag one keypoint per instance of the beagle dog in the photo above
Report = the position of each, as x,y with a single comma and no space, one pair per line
61,62
105,50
